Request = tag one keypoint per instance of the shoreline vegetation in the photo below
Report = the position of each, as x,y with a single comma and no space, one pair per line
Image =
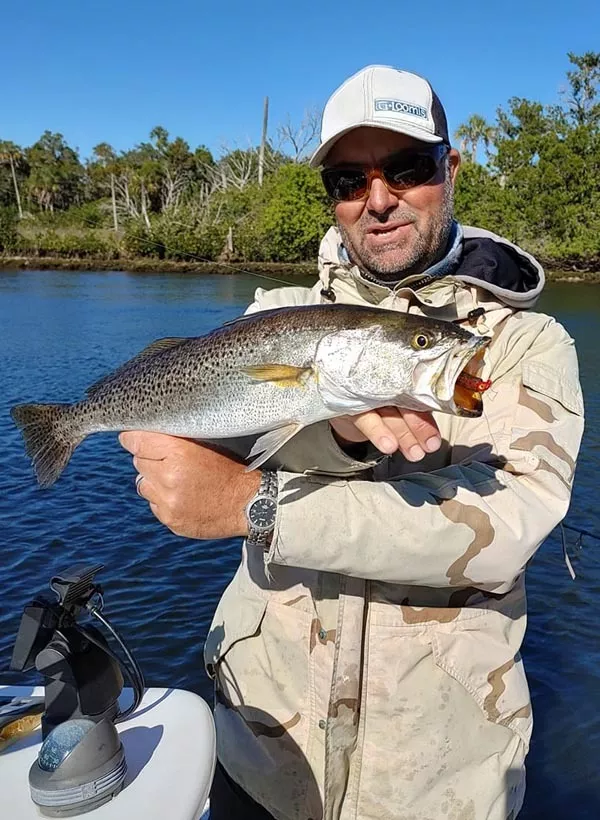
145,265
530,176
268,269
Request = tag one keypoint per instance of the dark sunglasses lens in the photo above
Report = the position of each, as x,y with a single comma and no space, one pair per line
344,184
410,171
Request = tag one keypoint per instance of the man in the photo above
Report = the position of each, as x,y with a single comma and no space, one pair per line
366,654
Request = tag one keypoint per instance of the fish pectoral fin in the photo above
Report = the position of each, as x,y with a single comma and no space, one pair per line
147,353
268,444
283,375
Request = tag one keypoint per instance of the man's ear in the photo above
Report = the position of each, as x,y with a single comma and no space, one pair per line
454,161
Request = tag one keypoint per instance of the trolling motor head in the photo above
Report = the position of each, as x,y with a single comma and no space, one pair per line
81,763
83,678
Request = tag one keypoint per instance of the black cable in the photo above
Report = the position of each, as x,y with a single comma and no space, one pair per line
132,668
133,679
139,675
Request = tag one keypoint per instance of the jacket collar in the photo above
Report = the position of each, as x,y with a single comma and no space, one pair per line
475,258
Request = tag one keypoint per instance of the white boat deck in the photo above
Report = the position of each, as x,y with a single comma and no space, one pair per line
169,745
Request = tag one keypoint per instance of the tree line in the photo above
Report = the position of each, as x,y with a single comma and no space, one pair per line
533,175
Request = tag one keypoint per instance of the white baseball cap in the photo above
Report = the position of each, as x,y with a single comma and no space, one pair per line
380,96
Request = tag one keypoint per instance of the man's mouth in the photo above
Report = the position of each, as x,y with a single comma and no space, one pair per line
388,228
388,233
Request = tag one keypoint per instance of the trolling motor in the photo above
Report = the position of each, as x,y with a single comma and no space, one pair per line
81,763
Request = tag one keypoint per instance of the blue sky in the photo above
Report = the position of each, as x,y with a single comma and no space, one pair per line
110,71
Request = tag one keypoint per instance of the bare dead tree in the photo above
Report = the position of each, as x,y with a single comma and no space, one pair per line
173,186
236,169
240,167
113,199
298,140
126,203
144,208
263,142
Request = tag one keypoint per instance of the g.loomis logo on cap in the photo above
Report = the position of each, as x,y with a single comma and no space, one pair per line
401,107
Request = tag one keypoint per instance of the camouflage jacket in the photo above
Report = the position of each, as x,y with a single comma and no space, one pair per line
368,666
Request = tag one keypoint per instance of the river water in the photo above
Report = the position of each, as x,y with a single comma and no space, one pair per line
61,331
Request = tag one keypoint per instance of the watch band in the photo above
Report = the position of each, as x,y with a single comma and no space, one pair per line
268,488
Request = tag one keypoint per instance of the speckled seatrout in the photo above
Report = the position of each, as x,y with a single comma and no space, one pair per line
269,373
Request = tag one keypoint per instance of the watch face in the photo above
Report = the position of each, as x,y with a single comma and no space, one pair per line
262,513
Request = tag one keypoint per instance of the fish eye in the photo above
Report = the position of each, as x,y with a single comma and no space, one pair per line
421,341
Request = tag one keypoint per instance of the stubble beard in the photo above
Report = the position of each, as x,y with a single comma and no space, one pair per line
426,248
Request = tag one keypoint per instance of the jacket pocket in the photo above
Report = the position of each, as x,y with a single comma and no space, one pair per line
491,673
562,387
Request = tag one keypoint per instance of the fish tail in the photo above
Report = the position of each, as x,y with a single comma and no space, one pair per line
49,436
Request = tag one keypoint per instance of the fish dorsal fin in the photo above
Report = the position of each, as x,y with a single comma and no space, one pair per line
153,349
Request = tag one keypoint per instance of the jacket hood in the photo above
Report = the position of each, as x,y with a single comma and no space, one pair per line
487,261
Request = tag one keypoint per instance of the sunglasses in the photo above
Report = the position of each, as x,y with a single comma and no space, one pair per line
400,172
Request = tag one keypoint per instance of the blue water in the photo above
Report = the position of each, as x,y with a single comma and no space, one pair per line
59,332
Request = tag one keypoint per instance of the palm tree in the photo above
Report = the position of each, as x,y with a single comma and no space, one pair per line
11,153
471,133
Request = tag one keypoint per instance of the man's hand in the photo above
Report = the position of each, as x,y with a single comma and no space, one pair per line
194,490
391,429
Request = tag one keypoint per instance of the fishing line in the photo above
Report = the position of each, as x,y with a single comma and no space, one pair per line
578,546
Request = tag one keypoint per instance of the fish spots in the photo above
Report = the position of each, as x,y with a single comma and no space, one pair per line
483,535
539,407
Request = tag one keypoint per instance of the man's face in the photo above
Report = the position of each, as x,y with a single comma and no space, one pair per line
393,235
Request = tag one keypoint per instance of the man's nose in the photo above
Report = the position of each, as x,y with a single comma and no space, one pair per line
380,198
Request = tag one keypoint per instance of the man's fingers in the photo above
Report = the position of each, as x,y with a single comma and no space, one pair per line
147,467
145,489
146,445
421,426
391,429
155,510
374,427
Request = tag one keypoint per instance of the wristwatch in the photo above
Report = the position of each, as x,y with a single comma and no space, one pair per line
262,510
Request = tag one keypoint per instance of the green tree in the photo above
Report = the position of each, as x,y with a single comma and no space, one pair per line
9,237
12,154
471,133
296,214
57,176
584,106
103,170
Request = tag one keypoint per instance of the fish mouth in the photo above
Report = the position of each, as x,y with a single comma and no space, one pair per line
449,383
467,393
457,388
